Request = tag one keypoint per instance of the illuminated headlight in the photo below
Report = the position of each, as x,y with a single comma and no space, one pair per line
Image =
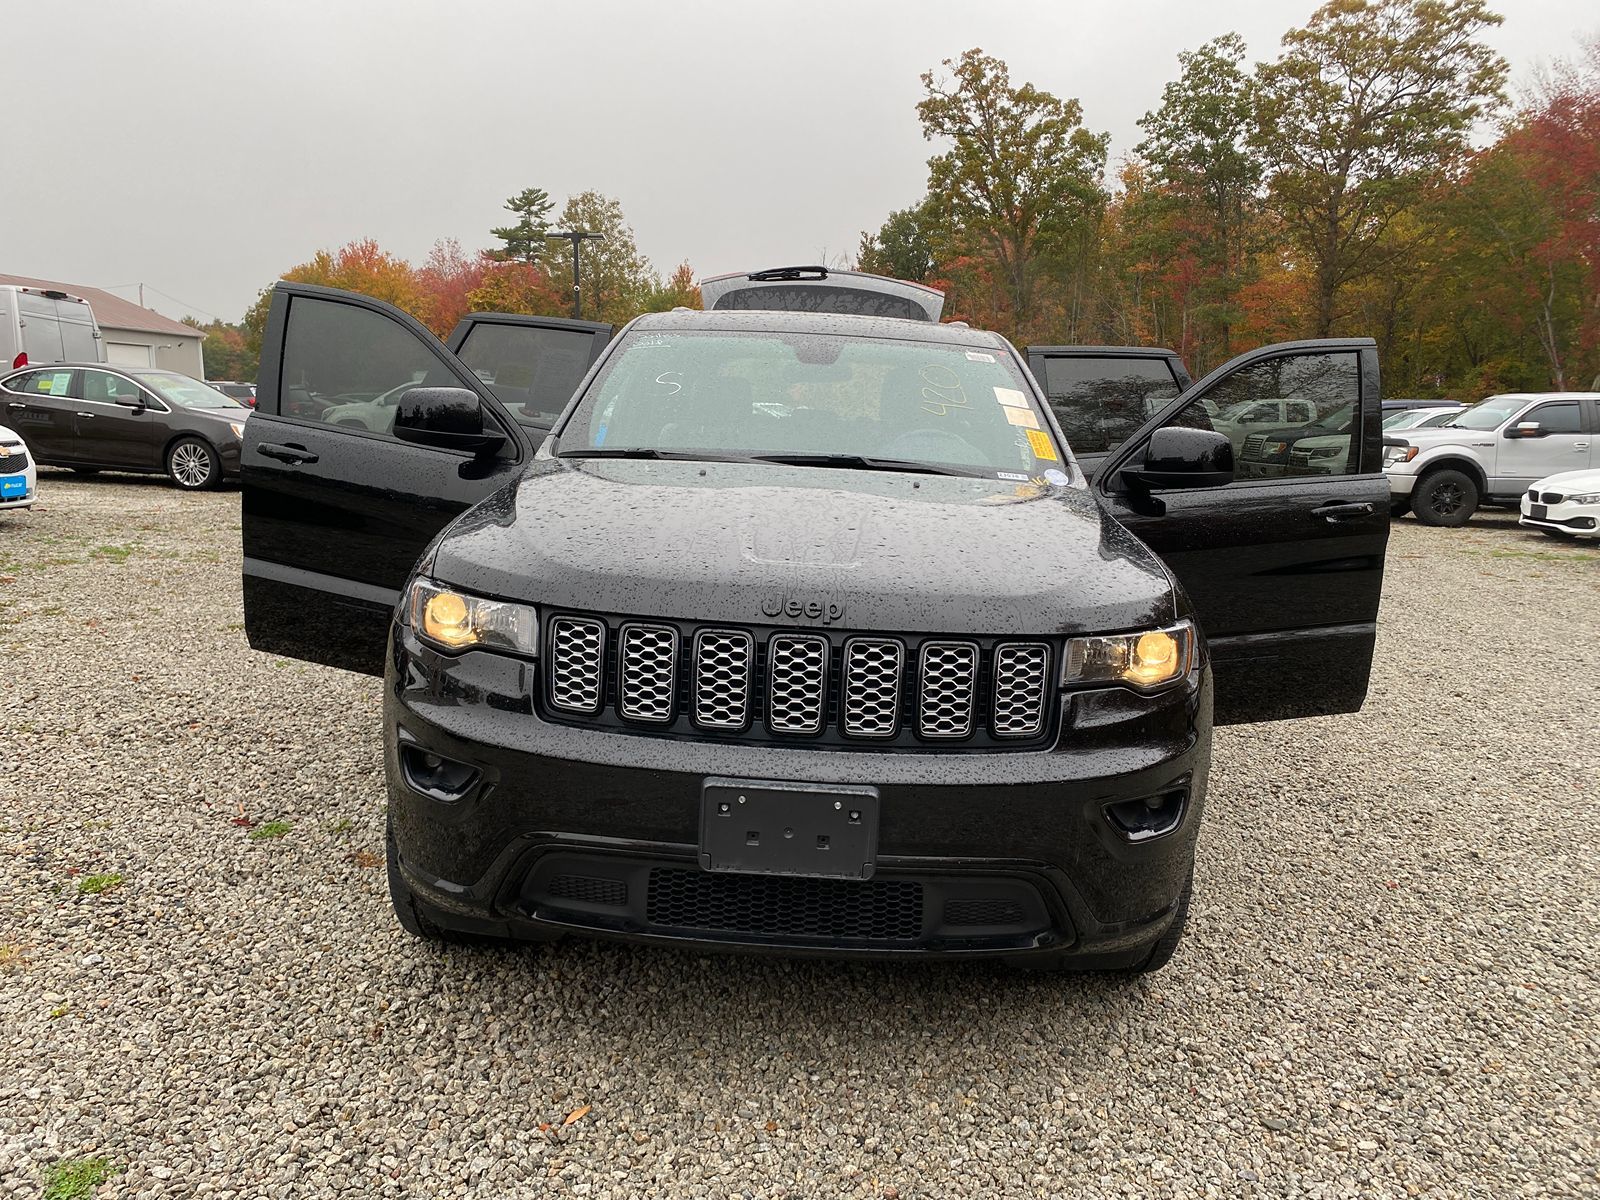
1586,498
1398,454
454,620
1140,660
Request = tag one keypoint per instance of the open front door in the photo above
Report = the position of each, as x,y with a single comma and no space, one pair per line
1283,565
337,508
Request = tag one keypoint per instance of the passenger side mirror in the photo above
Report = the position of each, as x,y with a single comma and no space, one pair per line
1527,429
450,418
1183,458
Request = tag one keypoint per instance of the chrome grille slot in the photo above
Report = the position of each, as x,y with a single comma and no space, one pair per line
872,670
577,663
948,676
647,662
1021,685
797,682
723,660
1253,444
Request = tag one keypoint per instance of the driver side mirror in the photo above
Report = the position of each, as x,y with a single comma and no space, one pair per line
1183,458
450,418
1526,429
137,403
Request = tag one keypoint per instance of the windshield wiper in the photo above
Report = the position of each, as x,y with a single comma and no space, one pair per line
651,452
860,462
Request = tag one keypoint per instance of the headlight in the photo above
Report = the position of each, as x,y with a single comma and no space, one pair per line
1398,454
453,620
1140,660
1586,498
1328,451
238,430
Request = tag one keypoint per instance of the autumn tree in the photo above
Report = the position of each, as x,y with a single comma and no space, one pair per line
523,240
1363,110
679,290
226,351
903,247
1019,185
617,279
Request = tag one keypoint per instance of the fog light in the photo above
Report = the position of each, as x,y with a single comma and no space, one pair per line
1141,820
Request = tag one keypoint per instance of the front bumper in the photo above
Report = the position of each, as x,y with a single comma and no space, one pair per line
551,829
18,491
1579,520
1400,485
230,453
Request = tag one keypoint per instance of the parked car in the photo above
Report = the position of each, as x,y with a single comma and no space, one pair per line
93,417
1565,505
796,631
19,483
821,290
244,393
1491,453
1393,406
1419,418
43,325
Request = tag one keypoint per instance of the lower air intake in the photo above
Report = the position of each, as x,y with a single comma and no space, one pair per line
877,910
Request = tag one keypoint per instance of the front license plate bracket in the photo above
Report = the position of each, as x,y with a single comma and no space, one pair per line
769,828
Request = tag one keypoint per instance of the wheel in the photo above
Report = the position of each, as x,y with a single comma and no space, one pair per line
193,465
1445,498
410,914
86,470
1399,508
1167,944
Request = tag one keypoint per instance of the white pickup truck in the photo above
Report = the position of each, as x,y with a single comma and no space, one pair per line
1490,454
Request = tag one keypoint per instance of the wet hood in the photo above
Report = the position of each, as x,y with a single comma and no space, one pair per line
759,544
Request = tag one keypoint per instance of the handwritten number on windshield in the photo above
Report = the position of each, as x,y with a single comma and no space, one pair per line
941,390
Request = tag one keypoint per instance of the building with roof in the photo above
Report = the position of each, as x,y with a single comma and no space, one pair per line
132,335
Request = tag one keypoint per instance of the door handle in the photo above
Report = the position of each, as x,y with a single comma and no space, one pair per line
1343,511
16,404
1580,445
83,416
291,453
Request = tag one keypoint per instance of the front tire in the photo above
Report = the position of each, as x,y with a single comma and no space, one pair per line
193,465
1445,499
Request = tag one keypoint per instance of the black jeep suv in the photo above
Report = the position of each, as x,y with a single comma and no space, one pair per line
792,630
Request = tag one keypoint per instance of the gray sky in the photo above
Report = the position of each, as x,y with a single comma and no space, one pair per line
204,147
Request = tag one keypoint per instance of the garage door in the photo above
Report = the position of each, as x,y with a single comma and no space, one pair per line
127,354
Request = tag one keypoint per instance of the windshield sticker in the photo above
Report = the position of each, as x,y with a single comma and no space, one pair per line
1014,476
1023,417
1040,444
979,356
1059,478
942,390
1010,397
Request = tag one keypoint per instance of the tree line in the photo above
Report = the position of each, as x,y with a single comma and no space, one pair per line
1371,179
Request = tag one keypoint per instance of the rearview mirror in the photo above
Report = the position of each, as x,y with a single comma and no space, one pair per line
1183,458
450,418
1526,429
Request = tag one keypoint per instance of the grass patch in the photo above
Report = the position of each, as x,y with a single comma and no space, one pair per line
113,553
268,830
342,825
77,1178
94,885
12,955
1556,556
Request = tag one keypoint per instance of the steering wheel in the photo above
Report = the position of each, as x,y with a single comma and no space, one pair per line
936,445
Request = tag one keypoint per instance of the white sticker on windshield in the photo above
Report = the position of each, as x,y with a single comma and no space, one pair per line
1023,417
979,356
1017,476
1059,478
1010,397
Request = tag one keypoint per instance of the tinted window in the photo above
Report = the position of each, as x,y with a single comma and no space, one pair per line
1319,397
185,390
823,298
42,383
108,388
533,371
1100,401
349,366
788,393
1557,418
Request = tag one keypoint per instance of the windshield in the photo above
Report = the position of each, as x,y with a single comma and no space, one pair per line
190,393
1491,414
723,393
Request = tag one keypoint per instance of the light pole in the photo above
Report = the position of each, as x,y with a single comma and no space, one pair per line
577,237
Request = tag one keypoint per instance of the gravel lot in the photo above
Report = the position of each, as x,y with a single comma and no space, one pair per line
1389,986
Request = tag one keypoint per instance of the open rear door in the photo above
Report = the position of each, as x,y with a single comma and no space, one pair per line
1283,565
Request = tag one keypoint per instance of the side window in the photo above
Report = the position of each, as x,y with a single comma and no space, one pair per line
1315,406
1100,401
348,366
42,383
108,388
532,371
1561,417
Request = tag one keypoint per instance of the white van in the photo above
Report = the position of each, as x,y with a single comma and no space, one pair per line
42,325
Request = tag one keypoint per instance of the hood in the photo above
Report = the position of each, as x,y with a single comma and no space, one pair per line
1426,439
1581,482
227,416
762,544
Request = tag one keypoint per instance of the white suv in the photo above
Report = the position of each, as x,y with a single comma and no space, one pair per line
1490,453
